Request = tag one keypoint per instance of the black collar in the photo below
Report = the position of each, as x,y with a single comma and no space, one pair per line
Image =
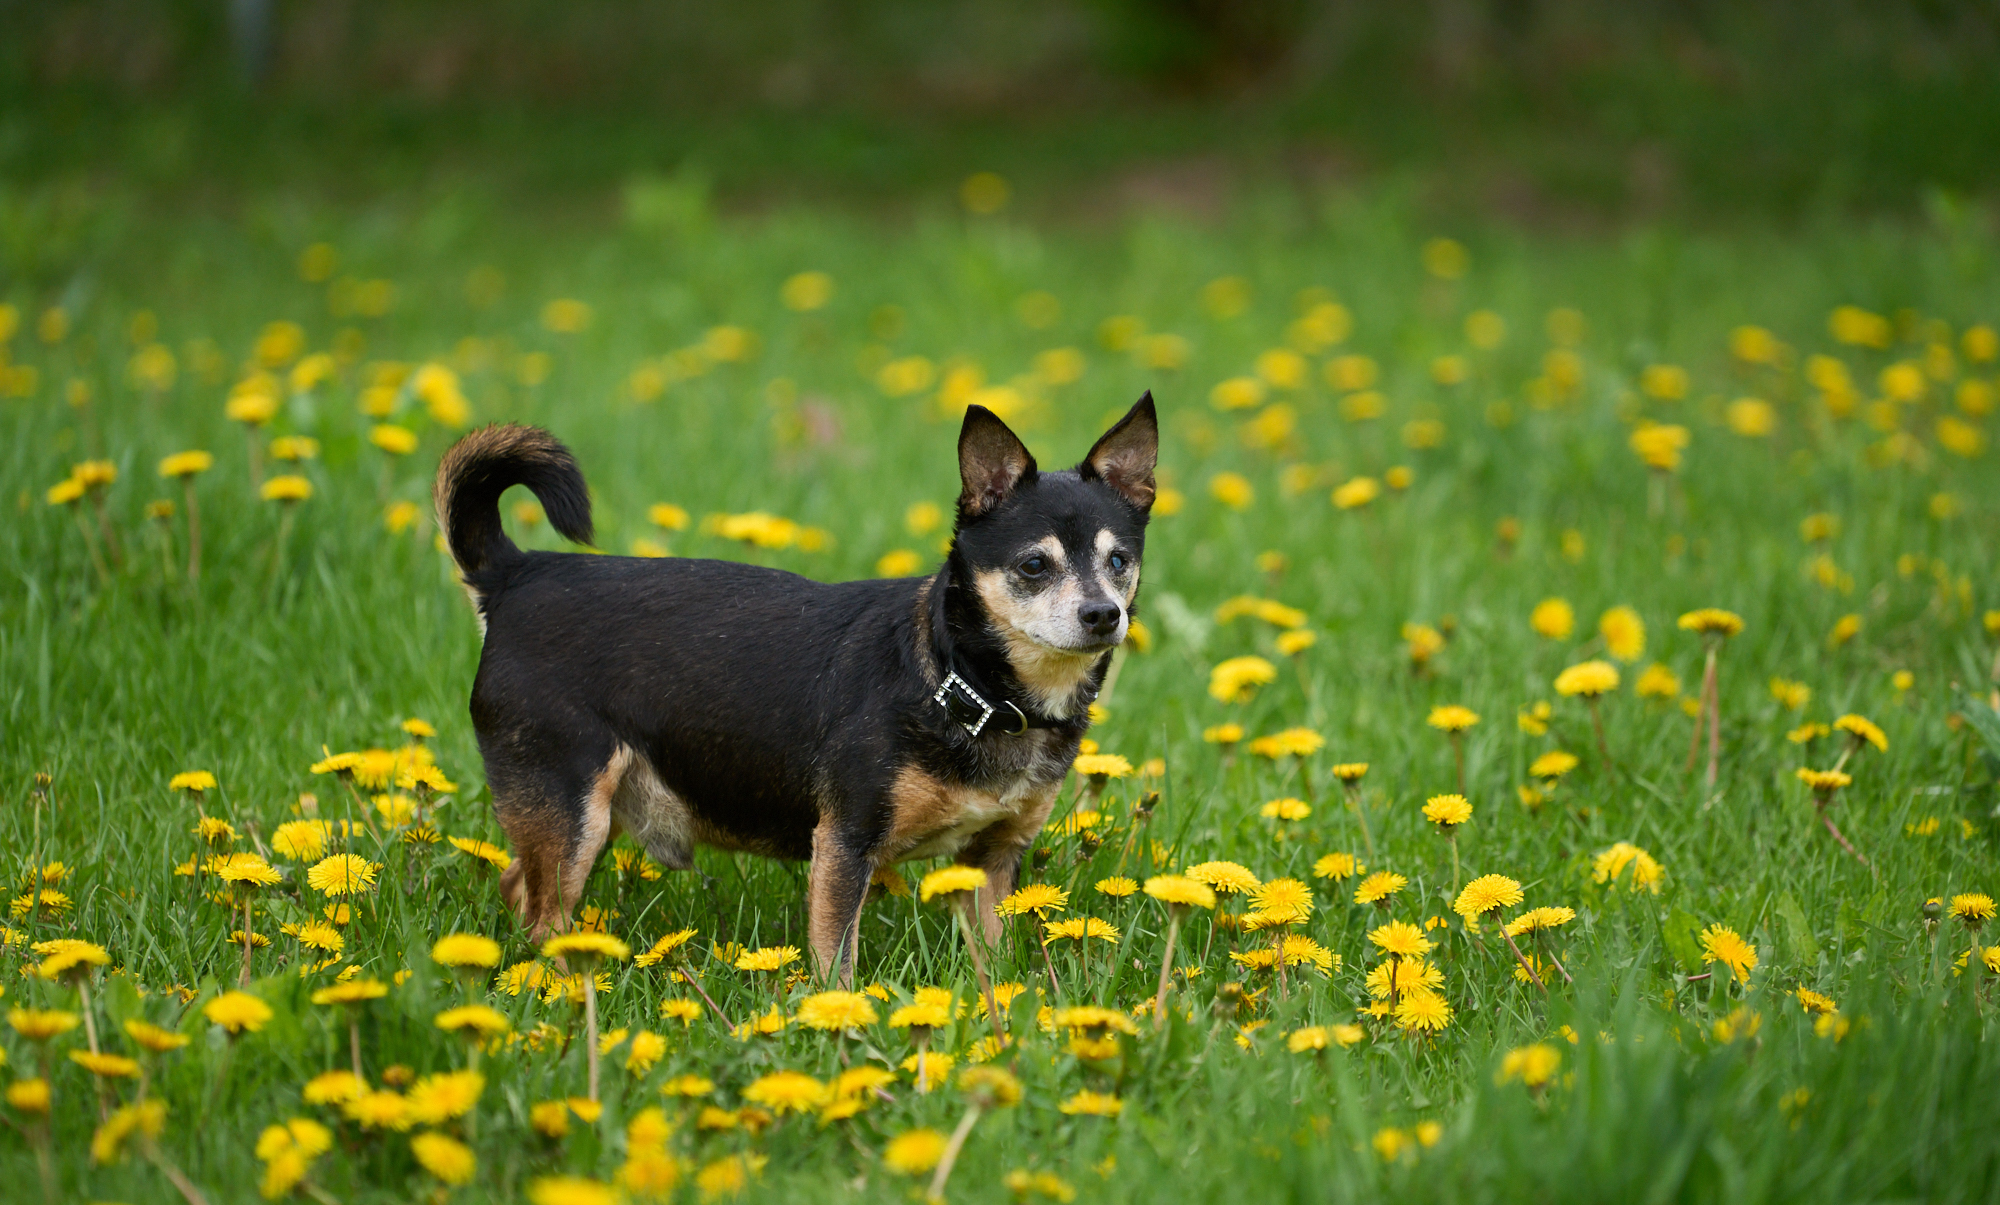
972,709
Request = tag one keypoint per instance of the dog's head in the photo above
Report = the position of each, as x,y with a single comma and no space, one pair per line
1054,557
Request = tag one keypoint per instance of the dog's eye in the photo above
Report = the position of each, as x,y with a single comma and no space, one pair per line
1117,561
1034,566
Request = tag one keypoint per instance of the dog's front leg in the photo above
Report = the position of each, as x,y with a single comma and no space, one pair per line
998,849
836,884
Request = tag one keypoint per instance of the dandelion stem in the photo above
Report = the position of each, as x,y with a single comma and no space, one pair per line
90,542
923,1033
1055,985
1714,718
1361,814
110,533
1844,843
243,978
1701,707
1521,958
978,964
590,1027
951,1149
1458,760
174,1175
43,1164
1454,862
687,976
1166,968
1278,959
1597,724
354,1040
89,1023
256,458
194,529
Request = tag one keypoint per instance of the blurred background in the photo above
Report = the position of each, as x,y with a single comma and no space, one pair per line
1570,113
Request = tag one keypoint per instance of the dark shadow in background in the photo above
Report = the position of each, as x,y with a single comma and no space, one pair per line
1537,110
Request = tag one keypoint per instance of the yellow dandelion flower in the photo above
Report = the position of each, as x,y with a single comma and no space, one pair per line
342,874
1447,811
769,958
1540,918
1286,809
786,1092
1863,731
1180,891
570,1190
1337,866
1588,679
1237,679
237,1012
1038,898
1081,929
1624,633
1227,878
354,991
1092,1104
1712,621
1719,943
438,1098
1487,893
1423,1012
466,950
1972,909
1452,718
1400,939
1103,765
1534,1066
663,947
1378,887
586,946
1553,619
444,1157
836,1010
951,879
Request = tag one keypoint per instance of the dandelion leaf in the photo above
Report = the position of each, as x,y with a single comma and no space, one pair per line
1678,931
1800,946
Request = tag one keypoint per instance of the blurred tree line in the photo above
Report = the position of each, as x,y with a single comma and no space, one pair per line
1790,102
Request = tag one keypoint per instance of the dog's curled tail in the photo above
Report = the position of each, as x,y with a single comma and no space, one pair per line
480,467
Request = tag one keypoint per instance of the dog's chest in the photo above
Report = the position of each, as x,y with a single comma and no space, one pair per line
931,817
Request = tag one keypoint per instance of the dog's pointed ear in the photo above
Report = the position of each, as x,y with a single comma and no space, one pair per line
992,462
1124,457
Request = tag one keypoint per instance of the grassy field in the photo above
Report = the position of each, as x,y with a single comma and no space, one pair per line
1508,384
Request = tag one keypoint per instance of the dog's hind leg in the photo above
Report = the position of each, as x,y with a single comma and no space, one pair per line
558,820
836,885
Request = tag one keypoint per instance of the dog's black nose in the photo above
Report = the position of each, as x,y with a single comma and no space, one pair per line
1099,618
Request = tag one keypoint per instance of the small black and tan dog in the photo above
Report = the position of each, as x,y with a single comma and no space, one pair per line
857,725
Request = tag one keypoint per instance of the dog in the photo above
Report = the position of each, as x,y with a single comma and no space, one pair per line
852,725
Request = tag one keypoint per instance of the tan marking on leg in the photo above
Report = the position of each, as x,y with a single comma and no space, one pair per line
836,885
539,834
596,830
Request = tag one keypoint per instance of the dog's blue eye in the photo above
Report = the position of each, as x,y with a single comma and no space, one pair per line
1034,566
1117,560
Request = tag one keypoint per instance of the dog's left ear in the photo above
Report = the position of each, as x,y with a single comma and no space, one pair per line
1123,458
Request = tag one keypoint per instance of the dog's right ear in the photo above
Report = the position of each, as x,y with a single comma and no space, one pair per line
992,462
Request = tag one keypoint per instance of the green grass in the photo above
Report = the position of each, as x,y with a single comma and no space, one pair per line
111,688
